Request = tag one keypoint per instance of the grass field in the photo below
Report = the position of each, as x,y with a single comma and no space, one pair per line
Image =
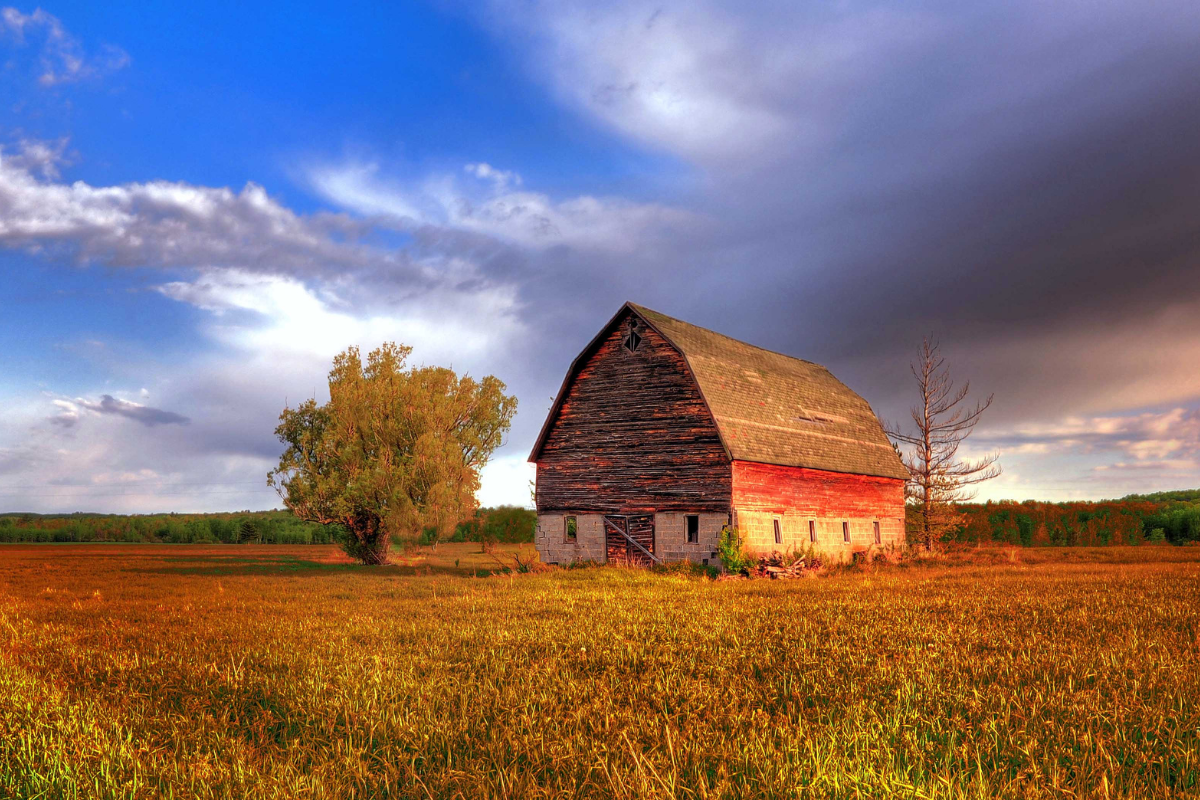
191,671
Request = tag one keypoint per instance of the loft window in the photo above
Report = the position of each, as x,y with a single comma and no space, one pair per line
846,532
878,540
572,528
693,528
812,531
633,338
778,533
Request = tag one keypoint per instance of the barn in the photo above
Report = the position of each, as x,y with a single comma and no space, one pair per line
664,432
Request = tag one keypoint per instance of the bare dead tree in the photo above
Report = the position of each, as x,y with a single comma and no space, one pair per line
939,479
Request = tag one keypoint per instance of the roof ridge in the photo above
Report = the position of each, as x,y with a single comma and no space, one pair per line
736,405
642,309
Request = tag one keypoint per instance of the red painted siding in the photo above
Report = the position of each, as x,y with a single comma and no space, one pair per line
814,493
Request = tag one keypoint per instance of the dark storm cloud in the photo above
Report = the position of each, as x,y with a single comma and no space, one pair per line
1084,219
135,411
1021,178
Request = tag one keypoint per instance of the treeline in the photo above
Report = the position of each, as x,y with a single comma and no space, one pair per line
509,524
502,524
1166,517
248,527
1185,495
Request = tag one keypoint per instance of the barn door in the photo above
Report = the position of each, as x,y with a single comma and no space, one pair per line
630,540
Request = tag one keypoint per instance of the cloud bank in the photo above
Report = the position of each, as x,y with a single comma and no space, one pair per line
1021,179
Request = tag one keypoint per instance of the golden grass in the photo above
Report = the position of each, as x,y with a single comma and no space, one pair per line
190,671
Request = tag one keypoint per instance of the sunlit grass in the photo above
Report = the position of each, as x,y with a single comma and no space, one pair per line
285,672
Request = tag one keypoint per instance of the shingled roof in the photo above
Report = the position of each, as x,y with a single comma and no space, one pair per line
771,408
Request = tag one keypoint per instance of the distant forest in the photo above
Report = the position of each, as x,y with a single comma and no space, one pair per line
1159,518
502,524
1162,518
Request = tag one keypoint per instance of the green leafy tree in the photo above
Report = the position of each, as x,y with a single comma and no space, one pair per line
395,452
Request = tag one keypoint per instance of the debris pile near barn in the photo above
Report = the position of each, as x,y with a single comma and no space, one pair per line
777,566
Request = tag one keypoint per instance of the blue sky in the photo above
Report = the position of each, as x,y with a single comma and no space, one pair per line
228,93
200,205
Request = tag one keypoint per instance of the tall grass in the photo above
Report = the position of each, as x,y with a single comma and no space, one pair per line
282,672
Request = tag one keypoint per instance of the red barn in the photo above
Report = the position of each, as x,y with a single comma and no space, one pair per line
663,433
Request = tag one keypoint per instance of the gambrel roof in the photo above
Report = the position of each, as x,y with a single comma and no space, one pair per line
768,407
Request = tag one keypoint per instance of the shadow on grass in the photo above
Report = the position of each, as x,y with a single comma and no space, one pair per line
233,566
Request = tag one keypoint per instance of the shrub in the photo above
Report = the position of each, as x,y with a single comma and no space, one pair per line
729,549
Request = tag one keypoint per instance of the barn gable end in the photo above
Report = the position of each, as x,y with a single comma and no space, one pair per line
631,433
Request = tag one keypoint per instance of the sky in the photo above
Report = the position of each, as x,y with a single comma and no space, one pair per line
201,204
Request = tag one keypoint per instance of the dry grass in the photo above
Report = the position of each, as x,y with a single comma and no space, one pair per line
188,671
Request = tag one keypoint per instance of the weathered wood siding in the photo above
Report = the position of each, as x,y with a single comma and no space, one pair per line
640,528
633,435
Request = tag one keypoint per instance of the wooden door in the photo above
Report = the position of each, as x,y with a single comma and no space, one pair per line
624,534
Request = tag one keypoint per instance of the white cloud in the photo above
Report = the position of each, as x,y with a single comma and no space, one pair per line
737,86
500,178
280,292
712,82
275,338
465,323
1152,437
68,414
172,224
61,57
162,224
37,156
489,204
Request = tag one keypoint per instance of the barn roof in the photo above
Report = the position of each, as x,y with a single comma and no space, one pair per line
768,407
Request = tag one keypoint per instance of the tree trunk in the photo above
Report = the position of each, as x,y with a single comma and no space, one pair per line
377,553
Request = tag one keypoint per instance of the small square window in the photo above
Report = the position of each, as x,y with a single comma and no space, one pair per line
778,533
572,528
693,528
846,532
878,539
812,531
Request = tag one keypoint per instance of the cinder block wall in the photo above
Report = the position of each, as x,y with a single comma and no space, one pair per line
755,528
670,537
758,533
553,546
